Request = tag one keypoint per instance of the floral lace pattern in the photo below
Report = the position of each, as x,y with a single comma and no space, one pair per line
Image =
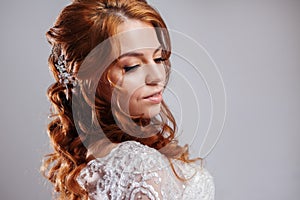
134,171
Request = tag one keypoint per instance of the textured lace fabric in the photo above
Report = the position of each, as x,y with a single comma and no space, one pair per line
134,171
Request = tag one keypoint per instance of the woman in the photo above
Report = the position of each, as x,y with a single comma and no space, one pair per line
112,133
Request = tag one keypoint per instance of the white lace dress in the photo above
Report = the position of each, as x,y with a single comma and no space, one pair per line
134,171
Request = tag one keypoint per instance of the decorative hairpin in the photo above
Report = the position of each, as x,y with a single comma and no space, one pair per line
64,76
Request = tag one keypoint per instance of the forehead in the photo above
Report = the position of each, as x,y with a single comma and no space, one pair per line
136,35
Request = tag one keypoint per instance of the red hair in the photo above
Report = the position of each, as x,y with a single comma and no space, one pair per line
79,28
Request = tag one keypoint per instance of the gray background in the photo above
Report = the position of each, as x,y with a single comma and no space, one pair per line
256,46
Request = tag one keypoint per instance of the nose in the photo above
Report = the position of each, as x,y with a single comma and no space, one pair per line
155,74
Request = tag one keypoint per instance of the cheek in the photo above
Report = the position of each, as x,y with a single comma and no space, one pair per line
115,75
132,83
164,70
135,106
132,99
129,95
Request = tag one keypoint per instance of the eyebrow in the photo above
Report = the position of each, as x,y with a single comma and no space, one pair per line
137,54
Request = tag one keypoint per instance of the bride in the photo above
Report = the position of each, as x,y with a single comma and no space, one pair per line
112,133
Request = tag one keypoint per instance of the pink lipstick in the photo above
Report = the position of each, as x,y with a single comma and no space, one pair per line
155,98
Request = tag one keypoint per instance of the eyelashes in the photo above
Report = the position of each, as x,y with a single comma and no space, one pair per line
134,67
159,60
130,68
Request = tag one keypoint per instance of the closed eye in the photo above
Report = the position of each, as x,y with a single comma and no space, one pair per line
159,60
130,68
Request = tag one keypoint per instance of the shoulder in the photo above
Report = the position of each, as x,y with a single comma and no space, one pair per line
202,185
130,170
130,156
133,156
199,184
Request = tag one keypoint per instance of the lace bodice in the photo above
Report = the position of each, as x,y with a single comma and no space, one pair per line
134,171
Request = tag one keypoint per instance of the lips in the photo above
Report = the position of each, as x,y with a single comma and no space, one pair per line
155,97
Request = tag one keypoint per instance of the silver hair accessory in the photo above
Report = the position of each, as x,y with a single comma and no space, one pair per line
64,76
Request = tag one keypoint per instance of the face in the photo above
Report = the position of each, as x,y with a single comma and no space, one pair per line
139,70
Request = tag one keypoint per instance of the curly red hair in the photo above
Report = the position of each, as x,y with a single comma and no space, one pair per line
79,28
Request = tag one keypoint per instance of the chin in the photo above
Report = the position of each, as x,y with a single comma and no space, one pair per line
150,112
